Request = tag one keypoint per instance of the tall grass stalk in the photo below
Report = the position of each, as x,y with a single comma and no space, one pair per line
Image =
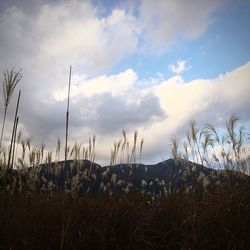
19,136
15,134
67,116
13,130
175,152
141,145
123,145
133,153
93,149
66,154
11,78
58,149
42,150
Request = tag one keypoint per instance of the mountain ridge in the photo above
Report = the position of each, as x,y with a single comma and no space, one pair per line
159,180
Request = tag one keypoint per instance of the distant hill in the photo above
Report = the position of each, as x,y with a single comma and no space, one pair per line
159,180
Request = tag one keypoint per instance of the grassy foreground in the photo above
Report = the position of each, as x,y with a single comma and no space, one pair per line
220,220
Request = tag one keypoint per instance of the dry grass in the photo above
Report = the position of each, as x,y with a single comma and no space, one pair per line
220,149
220,220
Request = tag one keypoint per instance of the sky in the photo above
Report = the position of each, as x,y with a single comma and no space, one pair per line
150,66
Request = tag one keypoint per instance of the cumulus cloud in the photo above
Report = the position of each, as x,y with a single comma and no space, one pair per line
114,84
70,32
207,101
74,32
111,114
180,67
204,100
158,113
44,38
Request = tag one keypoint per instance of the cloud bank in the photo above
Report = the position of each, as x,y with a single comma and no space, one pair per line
44,38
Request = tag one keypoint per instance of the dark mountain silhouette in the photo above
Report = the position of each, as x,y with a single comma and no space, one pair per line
158,180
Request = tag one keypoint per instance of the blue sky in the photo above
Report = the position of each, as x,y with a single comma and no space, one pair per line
224,46
150,66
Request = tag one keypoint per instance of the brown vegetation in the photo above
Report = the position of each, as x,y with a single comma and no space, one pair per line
220,220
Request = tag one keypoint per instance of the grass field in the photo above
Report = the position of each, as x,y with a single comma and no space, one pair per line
220,220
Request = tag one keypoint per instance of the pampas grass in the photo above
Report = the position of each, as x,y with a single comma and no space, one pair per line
224,149
10,80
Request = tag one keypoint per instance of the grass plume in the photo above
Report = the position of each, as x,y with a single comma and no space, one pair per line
10,80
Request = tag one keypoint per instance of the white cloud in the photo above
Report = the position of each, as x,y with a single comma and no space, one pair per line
45,39
158,113
207,101
180,67
114,84
67,33
51,36
165,21
74,32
